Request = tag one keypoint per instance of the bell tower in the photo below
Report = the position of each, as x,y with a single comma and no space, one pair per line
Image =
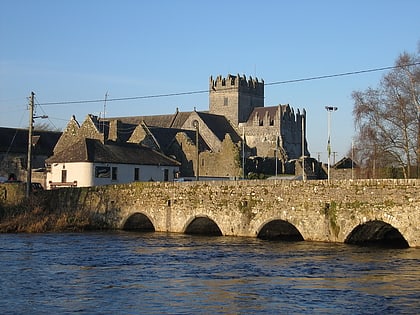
235,97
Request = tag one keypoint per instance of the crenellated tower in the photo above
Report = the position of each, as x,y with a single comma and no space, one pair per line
235,97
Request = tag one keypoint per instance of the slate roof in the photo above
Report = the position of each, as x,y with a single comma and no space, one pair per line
165,136
91,150
220,126
345,163
16,141
176,120
165,127
261,111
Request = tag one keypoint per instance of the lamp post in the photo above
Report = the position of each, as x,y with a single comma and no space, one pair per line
197,130
303,149
329,109
243,152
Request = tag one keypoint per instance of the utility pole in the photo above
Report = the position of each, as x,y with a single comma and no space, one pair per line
30,131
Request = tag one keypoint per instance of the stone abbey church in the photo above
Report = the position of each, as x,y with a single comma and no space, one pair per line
237,128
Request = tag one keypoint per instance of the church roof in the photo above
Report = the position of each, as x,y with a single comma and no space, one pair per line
176,120
220,126
165,136
272,111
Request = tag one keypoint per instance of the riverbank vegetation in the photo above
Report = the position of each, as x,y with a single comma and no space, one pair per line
31,215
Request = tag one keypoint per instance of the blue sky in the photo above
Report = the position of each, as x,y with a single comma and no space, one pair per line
81,49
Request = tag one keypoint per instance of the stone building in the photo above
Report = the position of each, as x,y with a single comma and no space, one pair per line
214,143
14,152
265,129
90,155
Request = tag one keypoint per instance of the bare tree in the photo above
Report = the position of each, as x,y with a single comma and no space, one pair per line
387,119
45,127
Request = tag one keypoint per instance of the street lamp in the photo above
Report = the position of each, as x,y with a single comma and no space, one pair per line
329,109
303,148
197,131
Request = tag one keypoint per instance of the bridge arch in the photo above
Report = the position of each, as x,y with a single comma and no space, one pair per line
202,225
376,233
138,221
279,230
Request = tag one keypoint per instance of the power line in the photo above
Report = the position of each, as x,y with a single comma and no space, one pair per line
125,98
207,91
340,74
45,114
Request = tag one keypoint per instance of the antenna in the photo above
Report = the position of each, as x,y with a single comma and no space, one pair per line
104,113
106,97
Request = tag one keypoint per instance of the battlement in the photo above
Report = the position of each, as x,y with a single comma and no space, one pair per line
236,82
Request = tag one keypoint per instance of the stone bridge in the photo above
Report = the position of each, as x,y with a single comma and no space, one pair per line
359,212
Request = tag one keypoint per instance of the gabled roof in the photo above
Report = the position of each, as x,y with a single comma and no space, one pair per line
16,141
271,111
165,136
261,112
91,150
220,126
344,163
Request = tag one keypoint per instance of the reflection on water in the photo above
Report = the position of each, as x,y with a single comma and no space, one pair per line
133,273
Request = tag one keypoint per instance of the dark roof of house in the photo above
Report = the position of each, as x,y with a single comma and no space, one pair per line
16,141
344,163
220,126
91,150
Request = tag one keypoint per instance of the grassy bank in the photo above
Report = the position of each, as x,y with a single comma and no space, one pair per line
34,215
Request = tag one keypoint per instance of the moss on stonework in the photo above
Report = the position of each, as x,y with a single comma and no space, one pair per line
330,212
246,206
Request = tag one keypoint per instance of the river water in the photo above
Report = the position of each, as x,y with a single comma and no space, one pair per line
158,273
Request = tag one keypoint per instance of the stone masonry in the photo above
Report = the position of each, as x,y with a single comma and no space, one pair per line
319,211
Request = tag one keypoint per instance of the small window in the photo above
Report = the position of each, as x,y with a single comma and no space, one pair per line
225,101
114,173
165,175
136,174
261,123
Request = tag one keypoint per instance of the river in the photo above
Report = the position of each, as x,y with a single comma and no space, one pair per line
159,273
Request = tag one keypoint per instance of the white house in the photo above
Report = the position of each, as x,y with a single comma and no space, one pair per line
90,162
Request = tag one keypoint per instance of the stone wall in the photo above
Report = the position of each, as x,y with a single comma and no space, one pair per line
74,132
283,125
224,163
